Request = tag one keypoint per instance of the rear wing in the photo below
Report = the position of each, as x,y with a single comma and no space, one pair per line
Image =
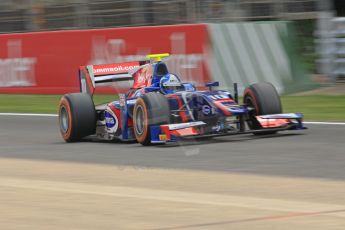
91,75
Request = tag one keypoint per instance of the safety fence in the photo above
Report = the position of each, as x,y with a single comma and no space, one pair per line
38,15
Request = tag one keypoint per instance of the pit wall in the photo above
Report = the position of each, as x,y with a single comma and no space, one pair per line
47,62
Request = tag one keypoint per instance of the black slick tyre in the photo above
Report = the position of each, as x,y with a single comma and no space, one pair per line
264,98
150,109
77,116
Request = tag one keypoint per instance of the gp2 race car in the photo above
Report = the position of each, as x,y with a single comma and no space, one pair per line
159,108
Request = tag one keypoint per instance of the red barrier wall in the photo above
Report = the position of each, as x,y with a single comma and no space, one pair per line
47,62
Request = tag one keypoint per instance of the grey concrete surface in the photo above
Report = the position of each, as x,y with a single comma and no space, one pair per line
317,152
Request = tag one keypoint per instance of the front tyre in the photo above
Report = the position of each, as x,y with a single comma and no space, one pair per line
150,109
264,99
77,116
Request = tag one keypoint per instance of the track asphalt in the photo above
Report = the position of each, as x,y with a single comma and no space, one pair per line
318,152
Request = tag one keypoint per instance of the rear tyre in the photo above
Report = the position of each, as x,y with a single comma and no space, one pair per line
77,116
264,98
150,109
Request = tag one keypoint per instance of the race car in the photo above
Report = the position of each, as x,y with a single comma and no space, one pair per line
160,108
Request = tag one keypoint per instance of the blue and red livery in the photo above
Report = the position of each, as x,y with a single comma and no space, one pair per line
159,108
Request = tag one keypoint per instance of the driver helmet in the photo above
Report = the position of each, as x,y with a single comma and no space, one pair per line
170,83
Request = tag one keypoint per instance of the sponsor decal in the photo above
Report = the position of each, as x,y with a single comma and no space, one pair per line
142,77
185,125
131,102
16,70
206,109
282,116
162,137
111,121
173,81
114,68
218,97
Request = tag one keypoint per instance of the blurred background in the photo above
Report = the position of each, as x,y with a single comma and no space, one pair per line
316,37
33,15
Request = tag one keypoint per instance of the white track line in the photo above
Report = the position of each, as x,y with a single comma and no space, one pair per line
29,114
323,123
55,115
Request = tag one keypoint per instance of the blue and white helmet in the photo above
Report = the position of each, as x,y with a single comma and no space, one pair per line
170,83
